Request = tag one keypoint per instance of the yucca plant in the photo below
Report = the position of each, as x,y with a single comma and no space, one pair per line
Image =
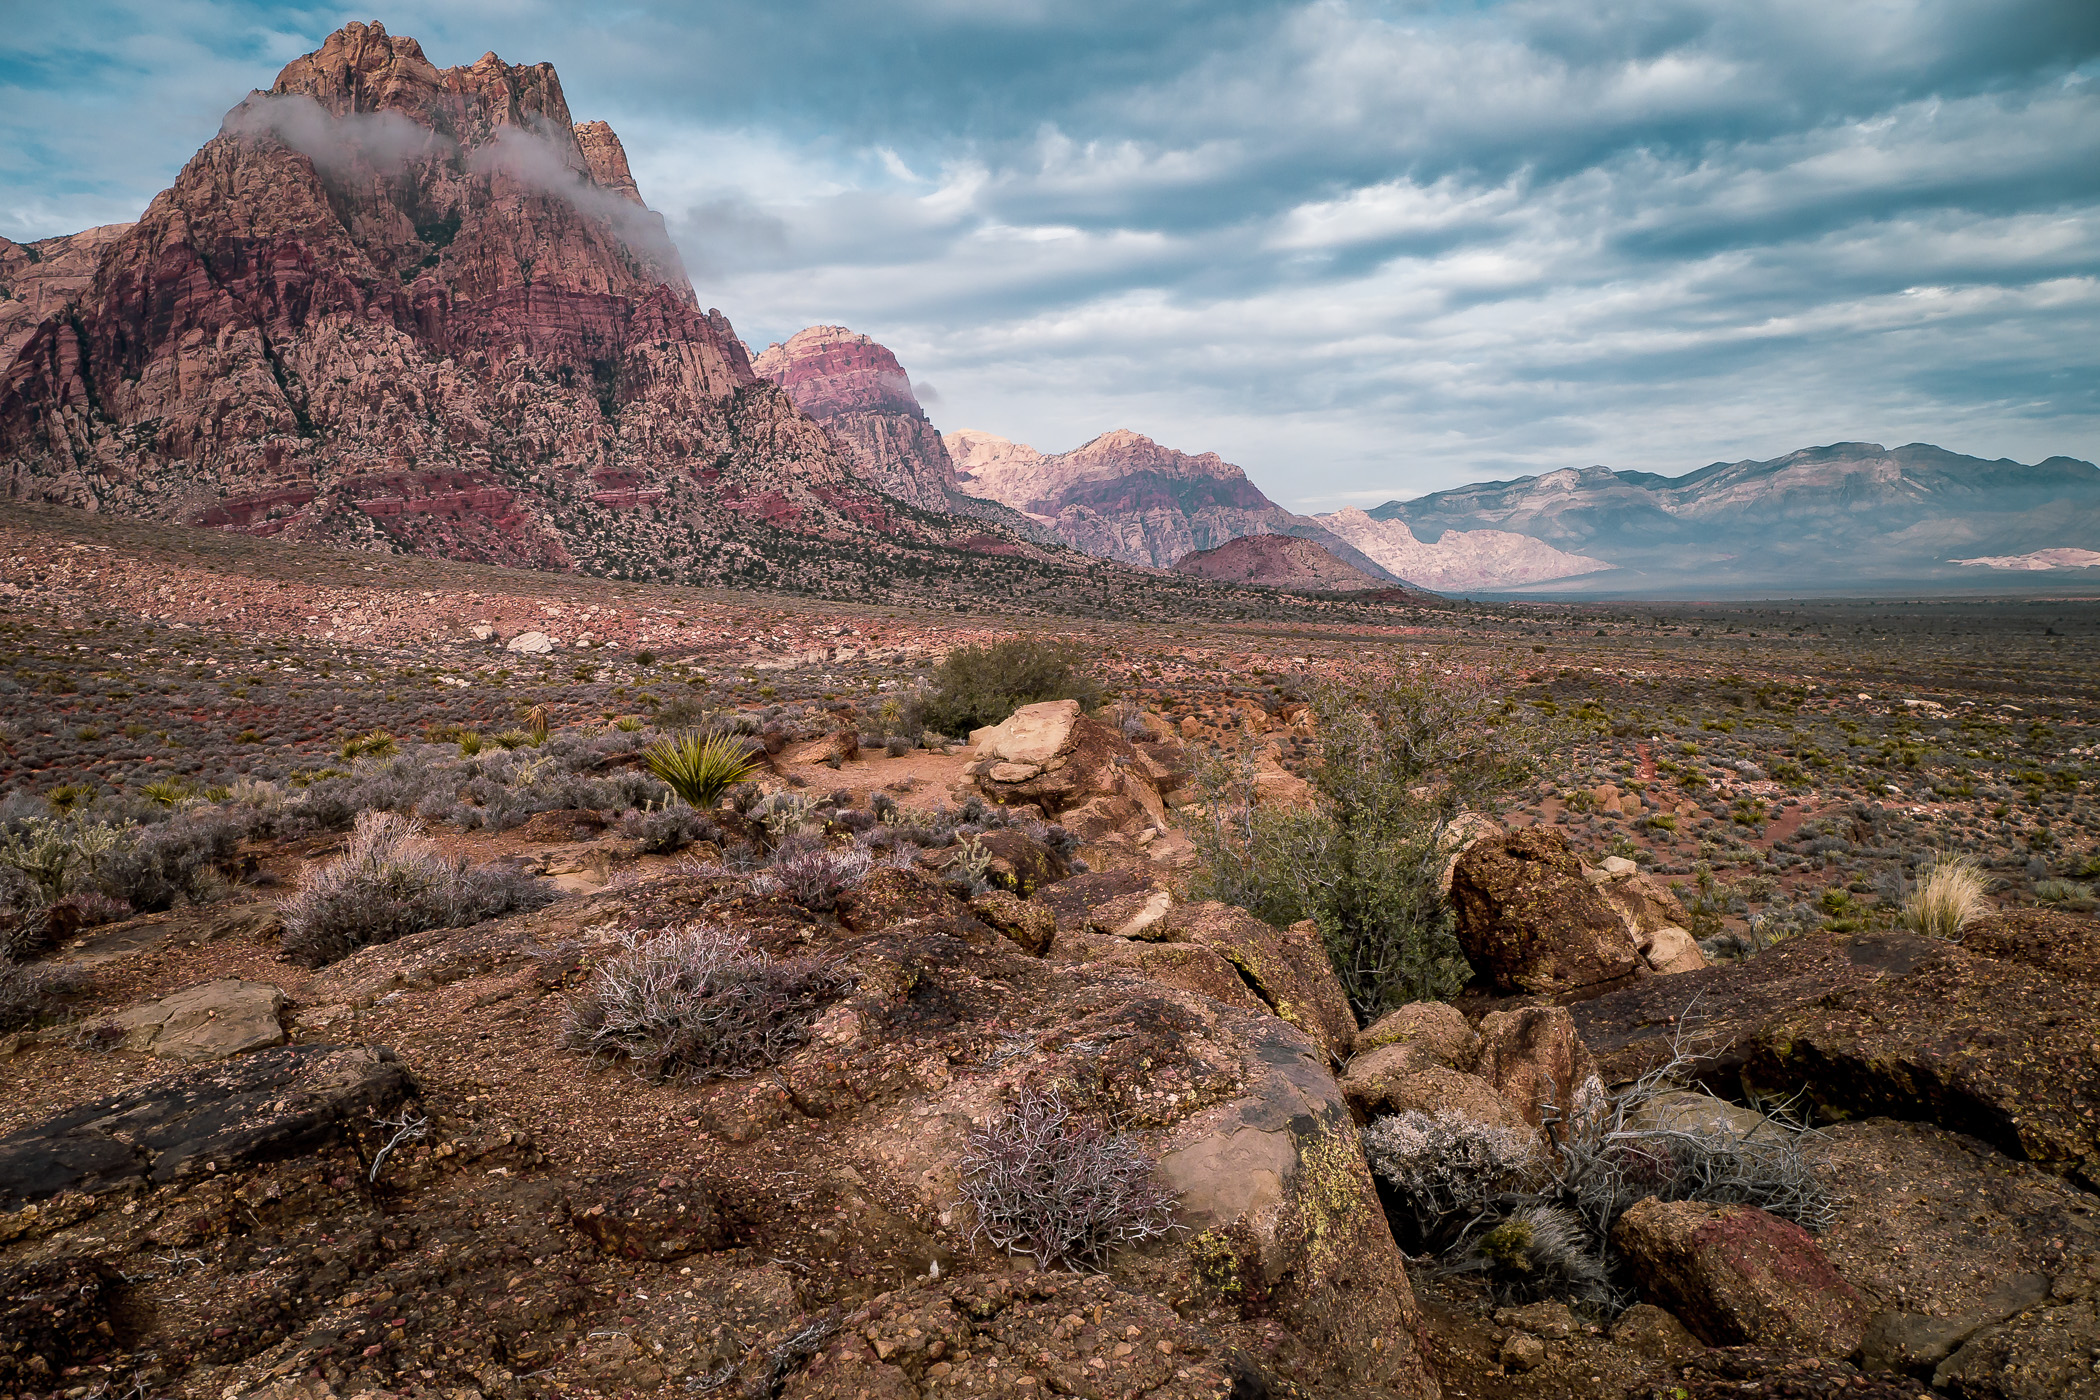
536,721
469,744
167,792
1950,894
699,767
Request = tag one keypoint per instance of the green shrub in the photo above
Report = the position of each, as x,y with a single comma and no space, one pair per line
1401,753
700,768
980,685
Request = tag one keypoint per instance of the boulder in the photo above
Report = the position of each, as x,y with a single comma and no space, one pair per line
1401,1078
1916,1343
2002,1050
1690,1111
1020,863
1529,922
210,1021
839,746
1027,923
1735,1274
530,644
1653,1332
1467,830
1437,1026
1534,1057
1263,1177
268,1104
1078,770
1286,968
1074,902
1643,902
1670,950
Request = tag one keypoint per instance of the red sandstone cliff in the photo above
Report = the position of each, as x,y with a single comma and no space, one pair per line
419,308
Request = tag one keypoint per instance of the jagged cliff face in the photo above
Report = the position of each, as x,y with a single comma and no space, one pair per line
419,308
1124,496
855,387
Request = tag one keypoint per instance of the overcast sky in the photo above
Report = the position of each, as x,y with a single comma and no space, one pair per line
1364,250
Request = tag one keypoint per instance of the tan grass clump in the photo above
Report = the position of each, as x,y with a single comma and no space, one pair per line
1951,894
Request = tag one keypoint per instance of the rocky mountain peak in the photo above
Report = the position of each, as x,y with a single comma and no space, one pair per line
830,370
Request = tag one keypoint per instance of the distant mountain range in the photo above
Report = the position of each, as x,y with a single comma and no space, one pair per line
1852,513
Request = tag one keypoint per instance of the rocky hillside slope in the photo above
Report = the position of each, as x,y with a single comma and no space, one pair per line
1124,496
1849,512
1277,561
423,309
1460,559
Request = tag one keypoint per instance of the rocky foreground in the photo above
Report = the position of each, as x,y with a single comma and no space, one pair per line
230,1171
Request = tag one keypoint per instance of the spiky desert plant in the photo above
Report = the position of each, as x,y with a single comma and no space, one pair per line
700,767
536,721
1952,892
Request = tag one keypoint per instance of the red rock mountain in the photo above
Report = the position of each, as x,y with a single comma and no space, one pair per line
423,309
856,388
1278,561
1124,496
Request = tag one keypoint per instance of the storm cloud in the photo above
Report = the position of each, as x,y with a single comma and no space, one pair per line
1365,250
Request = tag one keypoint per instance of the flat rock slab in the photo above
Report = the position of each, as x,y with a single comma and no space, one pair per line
1777,1373
2066,946
1937,1223
210,1021
1629,1031
2000,1050
266,1105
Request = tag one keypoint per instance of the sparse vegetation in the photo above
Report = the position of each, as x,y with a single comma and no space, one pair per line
980,685
698,1004
390,883
1950,894
1060,1185
1401,753
701,767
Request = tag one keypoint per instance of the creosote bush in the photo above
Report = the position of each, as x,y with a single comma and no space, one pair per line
390,883
805,870
1402,752
980,685
698,1004
1061,1186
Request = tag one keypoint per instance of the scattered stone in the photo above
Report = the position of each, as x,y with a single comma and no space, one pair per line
647,1215
1522,1352
1653,1332
1436,1026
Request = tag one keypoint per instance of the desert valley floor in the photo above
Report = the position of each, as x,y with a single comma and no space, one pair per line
432,1196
